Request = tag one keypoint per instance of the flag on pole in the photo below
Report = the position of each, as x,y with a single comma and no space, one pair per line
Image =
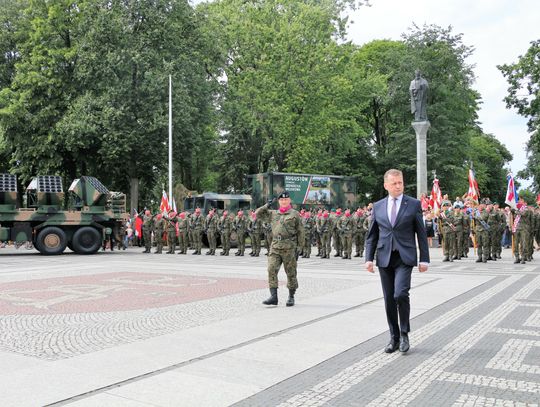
164,207
511,193
473,193
173,204
436,196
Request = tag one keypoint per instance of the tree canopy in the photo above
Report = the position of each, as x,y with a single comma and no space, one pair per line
259,85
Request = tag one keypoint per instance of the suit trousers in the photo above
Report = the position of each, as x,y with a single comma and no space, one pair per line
396,283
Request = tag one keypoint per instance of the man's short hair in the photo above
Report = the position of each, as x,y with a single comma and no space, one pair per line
392,172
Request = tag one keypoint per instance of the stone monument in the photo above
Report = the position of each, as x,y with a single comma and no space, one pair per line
418,90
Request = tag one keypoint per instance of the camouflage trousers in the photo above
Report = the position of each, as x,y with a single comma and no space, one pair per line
346,244
359,242
197,240
226,241
183,240
158,235
325,244
449,240
306,247
458,244
288,258
255,243
147,236
212,240
269,239
521,243
171,238
482,242
241,241
337,242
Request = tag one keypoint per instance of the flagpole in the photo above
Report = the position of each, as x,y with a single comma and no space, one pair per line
170,139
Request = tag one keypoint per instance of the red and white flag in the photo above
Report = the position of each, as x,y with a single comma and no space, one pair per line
436,196
164,207
173,204
511,193
473,193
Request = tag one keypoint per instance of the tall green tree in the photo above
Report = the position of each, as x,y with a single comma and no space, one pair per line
524,94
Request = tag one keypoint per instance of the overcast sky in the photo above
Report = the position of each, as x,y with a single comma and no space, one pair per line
499,30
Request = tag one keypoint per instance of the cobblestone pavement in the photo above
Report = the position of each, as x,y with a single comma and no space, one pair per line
480,347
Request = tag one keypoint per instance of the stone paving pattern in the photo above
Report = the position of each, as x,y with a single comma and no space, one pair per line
481,348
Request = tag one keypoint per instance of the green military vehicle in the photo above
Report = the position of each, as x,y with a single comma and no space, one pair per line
50,226
307,190
210,200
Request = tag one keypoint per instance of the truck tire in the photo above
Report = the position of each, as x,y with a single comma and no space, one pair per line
51,240
86,240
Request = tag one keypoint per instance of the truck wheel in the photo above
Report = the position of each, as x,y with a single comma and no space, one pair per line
86,240
51,240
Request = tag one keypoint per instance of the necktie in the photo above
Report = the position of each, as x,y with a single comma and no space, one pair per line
393,211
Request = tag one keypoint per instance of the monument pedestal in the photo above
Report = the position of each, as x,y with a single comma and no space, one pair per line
421,129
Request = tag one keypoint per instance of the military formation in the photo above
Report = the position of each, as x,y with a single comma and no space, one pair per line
485,226
345,231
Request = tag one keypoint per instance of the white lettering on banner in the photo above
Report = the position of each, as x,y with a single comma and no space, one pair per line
294,183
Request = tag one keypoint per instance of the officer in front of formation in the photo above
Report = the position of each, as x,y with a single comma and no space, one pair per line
288,235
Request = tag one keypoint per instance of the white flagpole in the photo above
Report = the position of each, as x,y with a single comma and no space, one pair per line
170,139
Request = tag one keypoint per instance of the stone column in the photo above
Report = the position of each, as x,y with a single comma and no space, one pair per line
421,129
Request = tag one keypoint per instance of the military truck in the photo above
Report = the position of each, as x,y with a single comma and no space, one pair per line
39,216
307,190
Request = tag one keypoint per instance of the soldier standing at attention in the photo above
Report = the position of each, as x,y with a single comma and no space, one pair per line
254,228
159,228
336,237
458,221
448,231
147,229
196,225
211,232
481,231
316,234
225,226
345,226
288,235
324,227
240,227
359,233
183,233
171,231
307,224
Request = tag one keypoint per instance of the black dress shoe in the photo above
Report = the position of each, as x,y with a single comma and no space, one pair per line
392,346
404,343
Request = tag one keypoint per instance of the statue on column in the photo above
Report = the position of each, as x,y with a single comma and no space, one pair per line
418,90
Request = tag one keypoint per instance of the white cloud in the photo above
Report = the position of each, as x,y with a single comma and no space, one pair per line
499,30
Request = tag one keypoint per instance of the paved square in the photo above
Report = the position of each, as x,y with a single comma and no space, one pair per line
130,329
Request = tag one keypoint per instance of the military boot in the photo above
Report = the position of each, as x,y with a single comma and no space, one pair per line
273,299
290,300
357,255
446,258
517,260
479,260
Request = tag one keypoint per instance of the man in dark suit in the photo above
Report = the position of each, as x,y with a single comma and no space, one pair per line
396,223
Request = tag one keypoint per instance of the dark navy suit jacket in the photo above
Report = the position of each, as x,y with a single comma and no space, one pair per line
385,238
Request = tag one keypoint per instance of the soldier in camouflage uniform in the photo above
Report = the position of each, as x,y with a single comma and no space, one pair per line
316,234
211,227
466,231
307,224
171,231
159,228
147,229
458,222
240,227
532,231
191,239
336,238
183,226
537,226
345,226
225,227
254,229
523,224
481,231
196,225
358,232
288,234
493,222
324,228
500,230
446,219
